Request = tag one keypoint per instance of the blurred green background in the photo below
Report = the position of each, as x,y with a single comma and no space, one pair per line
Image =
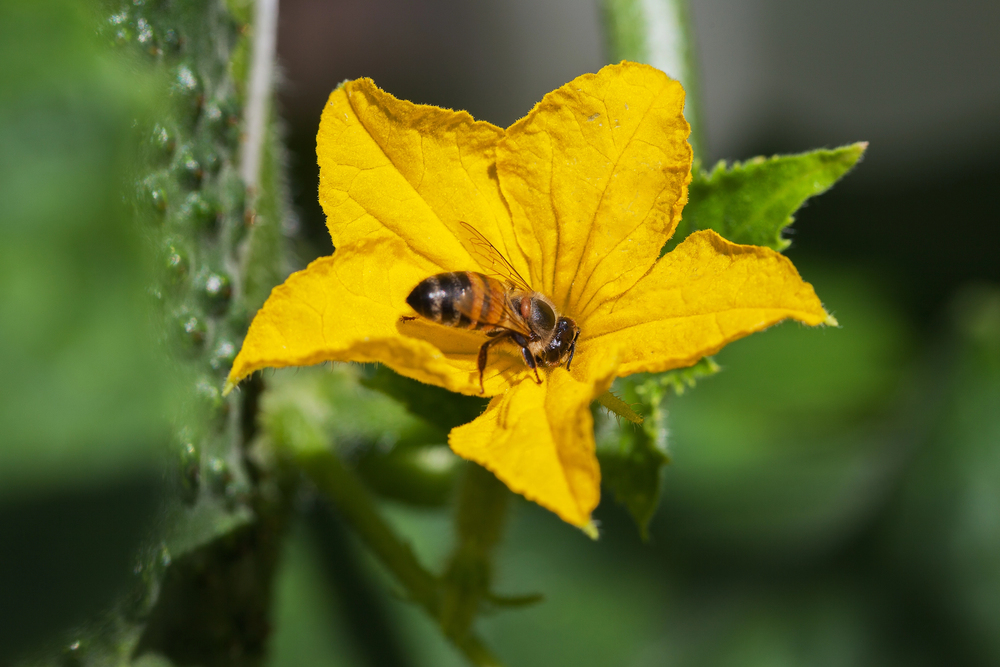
834,496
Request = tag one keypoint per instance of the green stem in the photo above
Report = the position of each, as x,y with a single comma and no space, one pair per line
301,417
356,506
659,33
358,509
619,407
481,512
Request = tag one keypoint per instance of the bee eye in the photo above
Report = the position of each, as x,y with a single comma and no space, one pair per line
543,318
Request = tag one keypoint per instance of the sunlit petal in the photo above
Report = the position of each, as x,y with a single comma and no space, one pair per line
413,170
706,293
596,177
539,441
348,307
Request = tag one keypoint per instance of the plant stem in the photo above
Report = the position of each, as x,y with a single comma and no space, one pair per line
619,407
481,512
357,507
259,91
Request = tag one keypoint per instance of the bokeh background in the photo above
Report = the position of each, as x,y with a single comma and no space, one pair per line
834,496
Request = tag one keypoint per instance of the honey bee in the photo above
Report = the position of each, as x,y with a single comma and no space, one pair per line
504,307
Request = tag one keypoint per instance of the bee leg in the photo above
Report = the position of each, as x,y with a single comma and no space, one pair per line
572,350
529,358
483,352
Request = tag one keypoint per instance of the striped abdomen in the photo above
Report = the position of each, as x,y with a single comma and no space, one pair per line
462,299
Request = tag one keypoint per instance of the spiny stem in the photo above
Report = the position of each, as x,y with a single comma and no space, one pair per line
619,407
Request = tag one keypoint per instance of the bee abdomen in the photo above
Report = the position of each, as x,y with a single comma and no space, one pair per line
457,299
436,297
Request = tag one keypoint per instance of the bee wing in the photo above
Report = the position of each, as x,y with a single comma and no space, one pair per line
502,315
492,260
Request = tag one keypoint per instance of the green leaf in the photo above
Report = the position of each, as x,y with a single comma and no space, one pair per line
632,457
752,202
630,466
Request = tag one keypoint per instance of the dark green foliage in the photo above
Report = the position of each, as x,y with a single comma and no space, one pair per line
66,553
216,247
951,492
213,606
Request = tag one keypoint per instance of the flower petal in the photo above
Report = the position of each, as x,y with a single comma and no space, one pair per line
596,177
706,293
348,307
410,169
396,179
539,441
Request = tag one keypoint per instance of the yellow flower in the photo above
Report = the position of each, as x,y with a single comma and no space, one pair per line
580,195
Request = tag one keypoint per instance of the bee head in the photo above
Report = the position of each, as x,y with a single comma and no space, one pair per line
563,343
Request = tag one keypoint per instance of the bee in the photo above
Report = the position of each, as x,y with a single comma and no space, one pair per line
503,307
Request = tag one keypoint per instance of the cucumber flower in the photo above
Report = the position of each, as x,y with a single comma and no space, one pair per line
580,197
